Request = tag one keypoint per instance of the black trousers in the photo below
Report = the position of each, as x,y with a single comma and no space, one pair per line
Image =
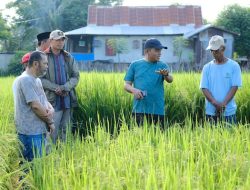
150,118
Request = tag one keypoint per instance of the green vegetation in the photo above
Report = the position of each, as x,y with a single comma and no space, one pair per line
185,156
237,19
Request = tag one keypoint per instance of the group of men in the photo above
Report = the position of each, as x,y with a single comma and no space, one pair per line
220,80
44,94
145,78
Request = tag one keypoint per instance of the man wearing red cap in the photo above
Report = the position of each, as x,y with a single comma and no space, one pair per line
25,60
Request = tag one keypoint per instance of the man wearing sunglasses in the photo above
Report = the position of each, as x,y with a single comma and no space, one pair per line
219,83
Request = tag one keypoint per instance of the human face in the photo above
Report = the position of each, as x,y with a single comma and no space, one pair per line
45,45
57,44
154,54
218,54
42,66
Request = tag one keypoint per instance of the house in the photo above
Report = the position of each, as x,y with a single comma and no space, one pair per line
136,24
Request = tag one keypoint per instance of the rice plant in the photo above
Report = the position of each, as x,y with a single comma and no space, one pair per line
110,152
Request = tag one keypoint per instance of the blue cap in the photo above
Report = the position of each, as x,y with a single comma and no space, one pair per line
154,43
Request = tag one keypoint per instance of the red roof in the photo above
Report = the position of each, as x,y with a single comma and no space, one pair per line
145,16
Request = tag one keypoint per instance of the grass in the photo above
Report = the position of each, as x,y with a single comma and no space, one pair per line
185,156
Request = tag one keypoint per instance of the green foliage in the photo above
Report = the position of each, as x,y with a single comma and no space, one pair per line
102,96
188,155
109,2
4,33
237,19
146,158
15,67
9,153
119,45
36,16
179,43
4,29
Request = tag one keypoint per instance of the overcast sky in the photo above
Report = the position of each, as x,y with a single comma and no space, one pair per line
210,9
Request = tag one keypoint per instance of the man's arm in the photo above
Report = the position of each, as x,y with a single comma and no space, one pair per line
218,106
230,95
136,92
48,85
209,97
41,112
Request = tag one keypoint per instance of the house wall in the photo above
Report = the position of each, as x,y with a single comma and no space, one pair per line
204,38
136,53
5,59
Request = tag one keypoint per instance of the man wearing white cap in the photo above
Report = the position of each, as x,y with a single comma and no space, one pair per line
59,83
219,82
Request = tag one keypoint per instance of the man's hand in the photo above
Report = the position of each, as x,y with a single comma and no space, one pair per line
220,108
51,128
60,92
137,93
163,72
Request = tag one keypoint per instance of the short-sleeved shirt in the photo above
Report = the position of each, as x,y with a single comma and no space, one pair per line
27,89
143,76
219,79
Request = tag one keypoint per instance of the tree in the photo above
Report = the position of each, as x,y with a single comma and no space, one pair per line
119,45
4,33
109,2
237,19
179,43
36,16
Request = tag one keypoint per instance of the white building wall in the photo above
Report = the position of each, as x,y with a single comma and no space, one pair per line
134,54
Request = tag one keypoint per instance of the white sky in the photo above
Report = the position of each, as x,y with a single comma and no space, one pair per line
210,9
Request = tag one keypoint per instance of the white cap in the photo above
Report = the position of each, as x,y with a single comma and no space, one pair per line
56,35
215,43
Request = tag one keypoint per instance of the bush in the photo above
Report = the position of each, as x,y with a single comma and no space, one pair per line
14,67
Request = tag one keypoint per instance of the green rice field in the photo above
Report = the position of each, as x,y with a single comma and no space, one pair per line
110,152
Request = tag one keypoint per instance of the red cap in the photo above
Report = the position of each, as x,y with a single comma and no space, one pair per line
26,58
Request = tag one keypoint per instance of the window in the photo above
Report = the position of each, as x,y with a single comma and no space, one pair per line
136,44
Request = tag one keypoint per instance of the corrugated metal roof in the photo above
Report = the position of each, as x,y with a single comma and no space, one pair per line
205,27
132,30
144,15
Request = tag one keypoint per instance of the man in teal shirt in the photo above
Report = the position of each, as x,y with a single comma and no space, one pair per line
144,79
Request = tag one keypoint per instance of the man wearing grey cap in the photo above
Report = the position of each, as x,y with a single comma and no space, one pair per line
219,83
59,83
144,79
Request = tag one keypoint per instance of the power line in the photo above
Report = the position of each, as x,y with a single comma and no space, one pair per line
27,20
